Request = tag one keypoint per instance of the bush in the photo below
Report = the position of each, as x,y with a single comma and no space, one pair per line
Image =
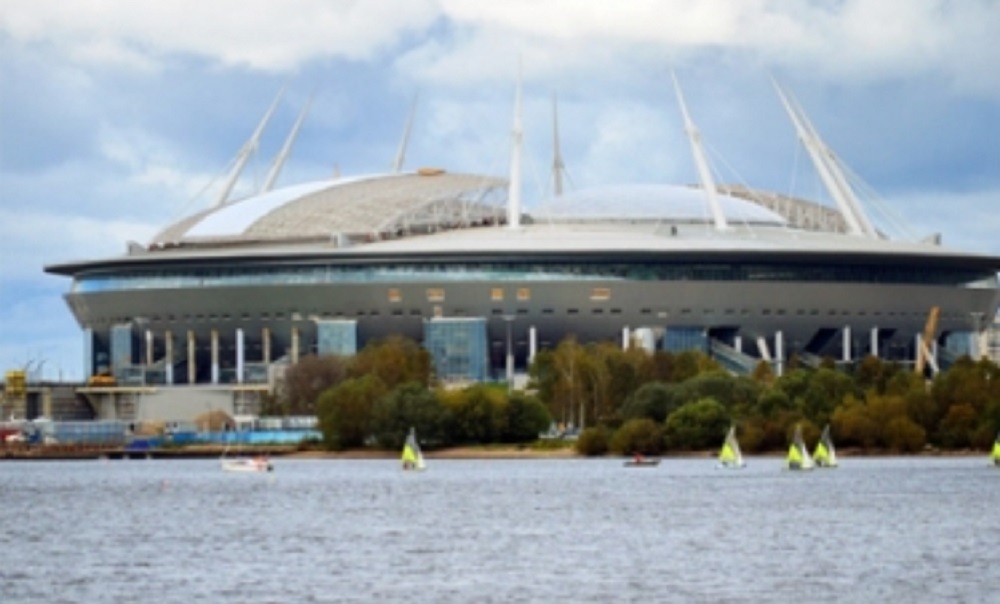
903,435
638,436
592,442
698,425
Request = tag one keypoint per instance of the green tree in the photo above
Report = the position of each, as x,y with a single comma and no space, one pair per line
526,418
824,390
306,380
701,424
637,436
344,412
592,441
409,406
477,414
653,400
395,361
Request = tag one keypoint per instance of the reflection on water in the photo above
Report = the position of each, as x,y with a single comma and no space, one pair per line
923,529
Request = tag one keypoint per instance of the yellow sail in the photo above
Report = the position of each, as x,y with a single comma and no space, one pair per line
821,455
996,452
409,456
794,455
727,453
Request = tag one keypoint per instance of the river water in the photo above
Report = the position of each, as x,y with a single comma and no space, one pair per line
903,529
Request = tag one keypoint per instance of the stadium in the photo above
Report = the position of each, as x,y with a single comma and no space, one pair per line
208,313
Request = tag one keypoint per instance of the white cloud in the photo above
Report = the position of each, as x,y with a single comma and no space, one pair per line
32,239
845,40
966,220
260,34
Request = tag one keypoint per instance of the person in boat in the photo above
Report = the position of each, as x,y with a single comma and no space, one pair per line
638,457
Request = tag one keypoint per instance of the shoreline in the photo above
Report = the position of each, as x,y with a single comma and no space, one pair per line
489,452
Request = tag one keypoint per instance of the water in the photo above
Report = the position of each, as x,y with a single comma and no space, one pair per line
909,529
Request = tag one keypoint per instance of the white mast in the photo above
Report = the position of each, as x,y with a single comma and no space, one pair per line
698,152
558,167
397,164
286,149
827,166
514,187
248,149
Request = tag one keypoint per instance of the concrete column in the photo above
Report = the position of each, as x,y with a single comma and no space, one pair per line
510,356
149,347
532,344
192,364
874,345
738,344
239,355
626,338
846,344
779,352
168,356
265,345
215,356
295,345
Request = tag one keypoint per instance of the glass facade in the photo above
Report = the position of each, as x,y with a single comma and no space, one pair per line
88,352
527,271
458,347
337,337
121,348
679,339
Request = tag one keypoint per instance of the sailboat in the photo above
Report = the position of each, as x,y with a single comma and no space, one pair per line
995,455
730,456
798,455
413,457
258,463
825,455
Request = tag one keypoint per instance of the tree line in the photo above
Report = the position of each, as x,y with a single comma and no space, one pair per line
630,400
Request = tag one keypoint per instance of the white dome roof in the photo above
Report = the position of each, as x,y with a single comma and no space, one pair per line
650,202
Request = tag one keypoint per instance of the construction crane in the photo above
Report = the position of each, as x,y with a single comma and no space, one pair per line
924,356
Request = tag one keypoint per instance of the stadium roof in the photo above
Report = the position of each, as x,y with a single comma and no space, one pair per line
385,203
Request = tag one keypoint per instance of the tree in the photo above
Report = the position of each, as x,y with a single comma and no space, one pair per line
526,418
638,436
344,412
409,406
592,441
307,379
697,425
395,361
824,390
476,414
653,400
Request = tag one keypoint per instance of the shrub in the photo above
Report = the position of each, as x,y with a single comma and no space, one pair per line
638,436
592,442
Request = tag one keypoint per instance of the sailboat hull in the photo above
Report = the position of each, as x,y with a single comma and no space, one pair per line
731,465
247,465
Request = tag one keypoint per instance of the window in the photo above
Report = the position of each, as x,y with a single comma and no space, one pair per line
523,294
600,294
394,295
435,294
496,294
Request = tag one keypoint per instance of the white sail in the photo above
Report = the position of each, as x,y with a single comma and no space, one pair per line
413,457
825,454
731,456
802,460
